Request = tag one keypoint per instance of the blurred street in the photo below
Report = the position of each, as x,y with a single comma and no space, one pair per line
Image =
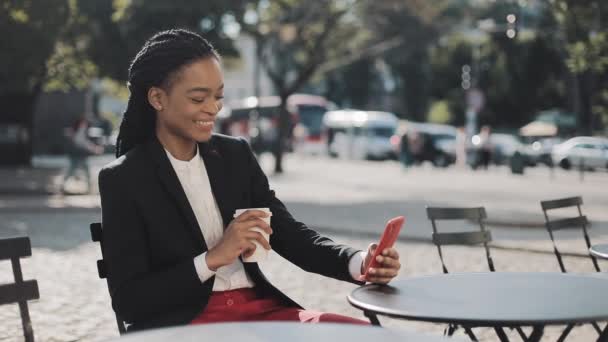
348,200
358,111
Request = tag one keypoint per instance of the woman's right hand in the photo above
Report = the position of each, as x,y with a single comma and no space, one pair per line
238,239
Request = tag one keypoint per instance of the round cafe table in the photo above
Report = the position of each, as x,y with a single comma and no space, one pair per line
600,250
492,299
277,332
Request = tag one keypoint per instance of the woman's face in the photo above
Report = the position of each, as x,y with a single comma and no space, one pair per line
188,108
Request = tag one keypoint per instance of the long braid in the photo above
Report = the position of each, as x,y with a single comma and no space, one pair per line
161,57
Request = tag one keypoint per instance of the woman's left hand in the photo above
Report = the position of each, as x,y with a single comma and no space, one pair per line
388,265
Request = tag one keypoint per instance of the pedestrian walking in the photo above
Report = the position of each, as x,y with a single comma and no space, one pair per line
485,147
78,151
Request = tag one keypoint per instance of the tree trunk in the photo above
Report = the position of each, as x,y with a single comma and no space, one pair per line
585,115
18,118
284,134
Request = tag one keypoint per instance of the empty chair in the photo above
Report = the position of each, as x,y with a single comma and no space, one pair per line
20,291
579,221
477,215
483,237
97,236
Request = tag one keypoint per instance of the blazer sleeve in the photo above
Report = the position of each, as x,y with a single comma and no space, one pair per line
293,240
138,292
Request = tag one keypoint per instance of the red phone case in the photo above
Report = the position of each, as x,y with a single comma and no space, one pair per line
389,236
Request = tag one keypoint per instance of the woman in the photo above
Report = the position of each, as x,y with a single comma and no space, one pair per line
171,245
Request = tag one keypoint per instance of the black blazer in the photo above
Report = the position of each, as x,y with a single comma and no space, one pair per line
151,234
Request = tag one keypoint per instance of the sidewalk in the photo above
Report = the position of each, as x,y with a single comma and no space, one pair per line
331,203
338,199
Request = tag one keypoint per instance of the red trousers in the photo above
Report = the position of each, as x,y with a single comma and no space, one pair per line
245,305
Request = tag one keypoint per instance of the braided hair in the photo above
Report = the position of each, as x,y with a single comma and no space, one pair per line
156,65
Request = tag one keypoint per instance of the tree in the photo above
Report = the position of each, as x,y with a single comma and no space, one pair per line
29,32
519,76
579,27
417,23
115,30
294,39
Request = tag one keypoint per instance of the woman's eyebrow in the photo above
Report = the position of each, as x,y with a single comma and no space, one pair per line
201,89
204,89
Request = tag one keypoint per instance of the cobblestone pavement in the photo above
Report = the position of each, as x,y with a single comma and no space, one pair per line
74,304
345,199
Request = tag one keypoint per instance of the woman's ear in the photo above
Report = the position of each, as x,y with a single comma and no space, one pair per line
155,98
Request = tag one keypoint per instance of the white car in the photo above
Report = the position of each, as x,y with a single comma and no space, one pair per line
588,152
355,134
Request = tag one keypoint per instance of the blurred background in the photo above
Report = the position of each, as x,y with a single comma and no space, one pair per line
358,111
532,71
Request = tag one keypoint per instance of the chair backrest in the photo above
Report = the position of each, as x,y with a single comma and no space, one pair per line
576,221
20,291
477,215
97,236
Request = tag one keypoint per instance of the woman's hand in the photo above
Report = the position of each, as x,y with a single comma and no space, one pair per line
238,239
388,265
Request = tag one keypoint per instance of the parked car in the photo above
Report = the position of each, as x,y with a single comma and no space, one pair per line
429,142
356,134
587,152
503,147
257,120
539,150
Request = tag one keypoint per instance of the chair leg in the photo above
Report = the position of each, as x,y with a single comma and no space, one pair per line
537,333
597,327
121,326
372,318
470,333
521,333
565,333
604,335
502,336
451,329
28,331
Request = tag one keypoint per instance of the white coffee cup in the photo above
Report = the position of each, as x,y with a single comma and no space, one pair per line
260,252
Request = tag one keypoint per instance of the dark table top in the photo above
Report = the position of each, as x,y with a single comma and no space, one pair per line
490,299
277,331
600,250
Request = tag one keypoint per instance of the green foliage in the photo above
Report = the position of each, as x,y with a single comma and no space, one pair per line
417,23
440,113
298,38
68,69
591,54
114,30
586,47
29,32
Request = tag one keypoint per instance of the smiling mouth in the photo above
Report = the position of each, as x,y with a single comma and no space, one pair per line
201,123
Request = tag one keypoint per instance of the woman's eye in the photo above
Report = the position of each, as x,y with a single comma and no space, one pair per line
198,100
219,98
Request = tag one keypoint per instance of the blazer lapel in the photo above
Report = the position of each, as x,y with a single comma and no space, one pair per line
216,169
171,183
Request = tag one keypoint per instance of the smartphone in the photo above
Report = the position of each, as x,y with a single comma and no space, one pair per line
389,236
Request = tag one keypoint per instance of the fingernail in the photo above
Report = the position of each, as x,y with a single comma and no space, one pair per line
379,258
372,270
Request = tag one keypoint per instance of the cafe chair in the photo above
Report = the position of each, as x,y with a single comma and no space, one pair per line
482,236
20,291
97,236
578,221
476,215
